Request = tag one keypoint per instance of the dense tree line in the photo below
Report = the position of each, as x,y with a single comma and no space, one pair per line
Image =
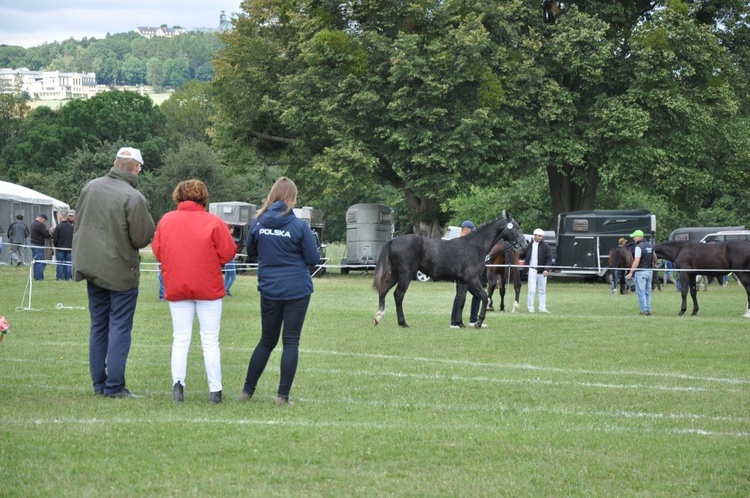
552,106
440,109
124,58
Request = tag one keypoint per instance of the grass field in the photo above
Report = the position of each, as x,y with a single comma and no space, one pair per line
592,400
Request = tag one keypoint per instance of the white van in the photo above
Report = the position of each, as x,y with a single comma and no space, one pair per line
726,235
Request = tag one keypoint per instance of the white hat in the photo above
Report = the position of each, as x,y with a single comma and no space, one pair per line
539,231
130,153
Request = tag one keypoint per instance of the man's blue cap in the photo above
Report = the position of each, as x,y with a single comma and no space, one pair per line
468,224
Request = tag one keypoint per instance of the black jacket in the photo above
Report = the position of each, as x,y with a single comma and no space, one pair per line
62,237
544,255
39,232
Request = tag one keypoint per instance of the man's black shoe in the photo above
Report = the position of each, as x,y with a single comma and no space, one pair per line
123,394
214,398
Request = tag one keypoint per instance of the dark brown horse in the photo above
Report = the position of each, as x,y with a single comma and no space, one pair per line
712,260
620,257
461,260
501,271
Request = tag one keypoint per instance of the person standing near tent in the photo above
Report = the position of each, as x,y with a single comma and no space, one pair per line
62,238
113,223
18,232
38,234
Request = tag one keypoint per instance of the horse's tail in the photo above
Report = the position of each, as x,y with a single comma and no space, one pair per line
383,268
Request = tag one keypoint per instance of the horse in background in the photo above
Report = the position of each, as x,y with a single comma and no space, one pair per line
461,260
504,268
711,260
620,257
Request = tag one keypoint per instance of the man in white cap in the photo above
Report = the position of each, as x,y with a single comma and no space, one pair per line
538,257
113,223
642,271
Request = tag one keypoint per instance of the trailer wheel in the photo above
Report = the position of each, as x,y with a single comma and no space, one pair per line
344,270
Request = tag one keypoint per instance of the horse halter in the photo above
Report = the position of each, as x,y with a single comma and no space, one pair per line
516,242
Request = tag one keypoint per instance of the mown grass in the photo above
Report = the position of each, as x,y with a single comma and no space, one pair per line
592,400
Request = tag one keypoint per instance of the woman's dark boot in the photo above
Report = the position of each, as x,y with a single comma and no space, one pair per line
177,393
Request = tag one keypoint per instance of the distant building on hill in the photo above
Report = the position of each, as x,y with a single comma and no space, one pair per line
49,85
164,32
161,32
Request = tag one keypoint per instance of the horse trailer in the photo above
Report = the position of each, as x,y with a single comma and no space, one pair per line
368,228
584,238
314,218
238,216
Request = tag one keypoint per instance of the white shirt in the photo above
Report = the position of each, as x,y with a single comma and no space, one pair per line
534,260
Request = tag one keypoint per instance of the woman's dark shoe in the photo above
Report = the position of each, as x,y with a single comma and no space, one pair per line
177,393
283,401
244,396
214,398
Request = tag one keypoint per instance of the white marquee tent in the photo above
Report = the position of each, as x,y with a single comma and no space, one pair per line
16,199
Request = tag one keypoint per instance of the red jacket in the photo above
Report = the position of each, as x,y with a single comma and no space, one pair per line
192,245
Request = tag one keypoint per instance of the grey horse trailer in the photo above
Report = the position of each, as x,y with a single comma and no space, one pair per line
368,228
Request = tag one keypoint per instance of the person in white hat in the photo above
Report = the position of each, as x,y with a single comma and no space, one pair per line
113,222
538,257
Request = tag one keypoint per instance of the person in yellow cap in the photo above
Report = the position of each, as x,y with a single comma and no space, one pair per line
642,271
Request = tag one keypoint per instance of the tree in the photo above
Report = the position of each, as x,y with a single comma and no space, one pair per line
13,110
387,93
133,70
187,113
111,117
191,160
155,72
176,72
618,95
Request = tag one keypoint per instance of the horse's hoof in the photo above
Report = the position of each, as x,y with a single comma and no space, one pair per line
374,322
490,308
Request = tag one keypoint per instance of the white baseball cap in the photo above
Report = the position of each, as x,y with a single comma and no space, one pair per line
130,153
539,231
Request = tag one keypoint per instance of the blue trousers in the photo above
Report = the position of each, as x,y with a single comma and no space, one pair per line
457,319
109,336
64,258
230,275
643,289
37,253
275,316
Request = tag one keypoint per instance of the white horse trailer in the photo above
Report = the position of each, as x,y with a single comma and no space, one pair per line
368,228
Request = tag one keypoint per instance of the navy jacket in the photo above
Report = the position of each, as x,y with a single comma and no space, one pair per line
285,247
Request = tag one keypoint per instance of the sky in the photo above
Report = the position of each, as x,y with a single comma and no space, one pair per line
30,23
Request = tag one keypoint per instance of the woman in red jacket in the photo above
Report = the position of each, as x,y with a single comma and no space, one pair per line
192,245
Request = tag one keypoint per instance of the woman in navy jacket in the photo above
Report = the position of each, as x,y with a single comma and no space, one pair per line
285,248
